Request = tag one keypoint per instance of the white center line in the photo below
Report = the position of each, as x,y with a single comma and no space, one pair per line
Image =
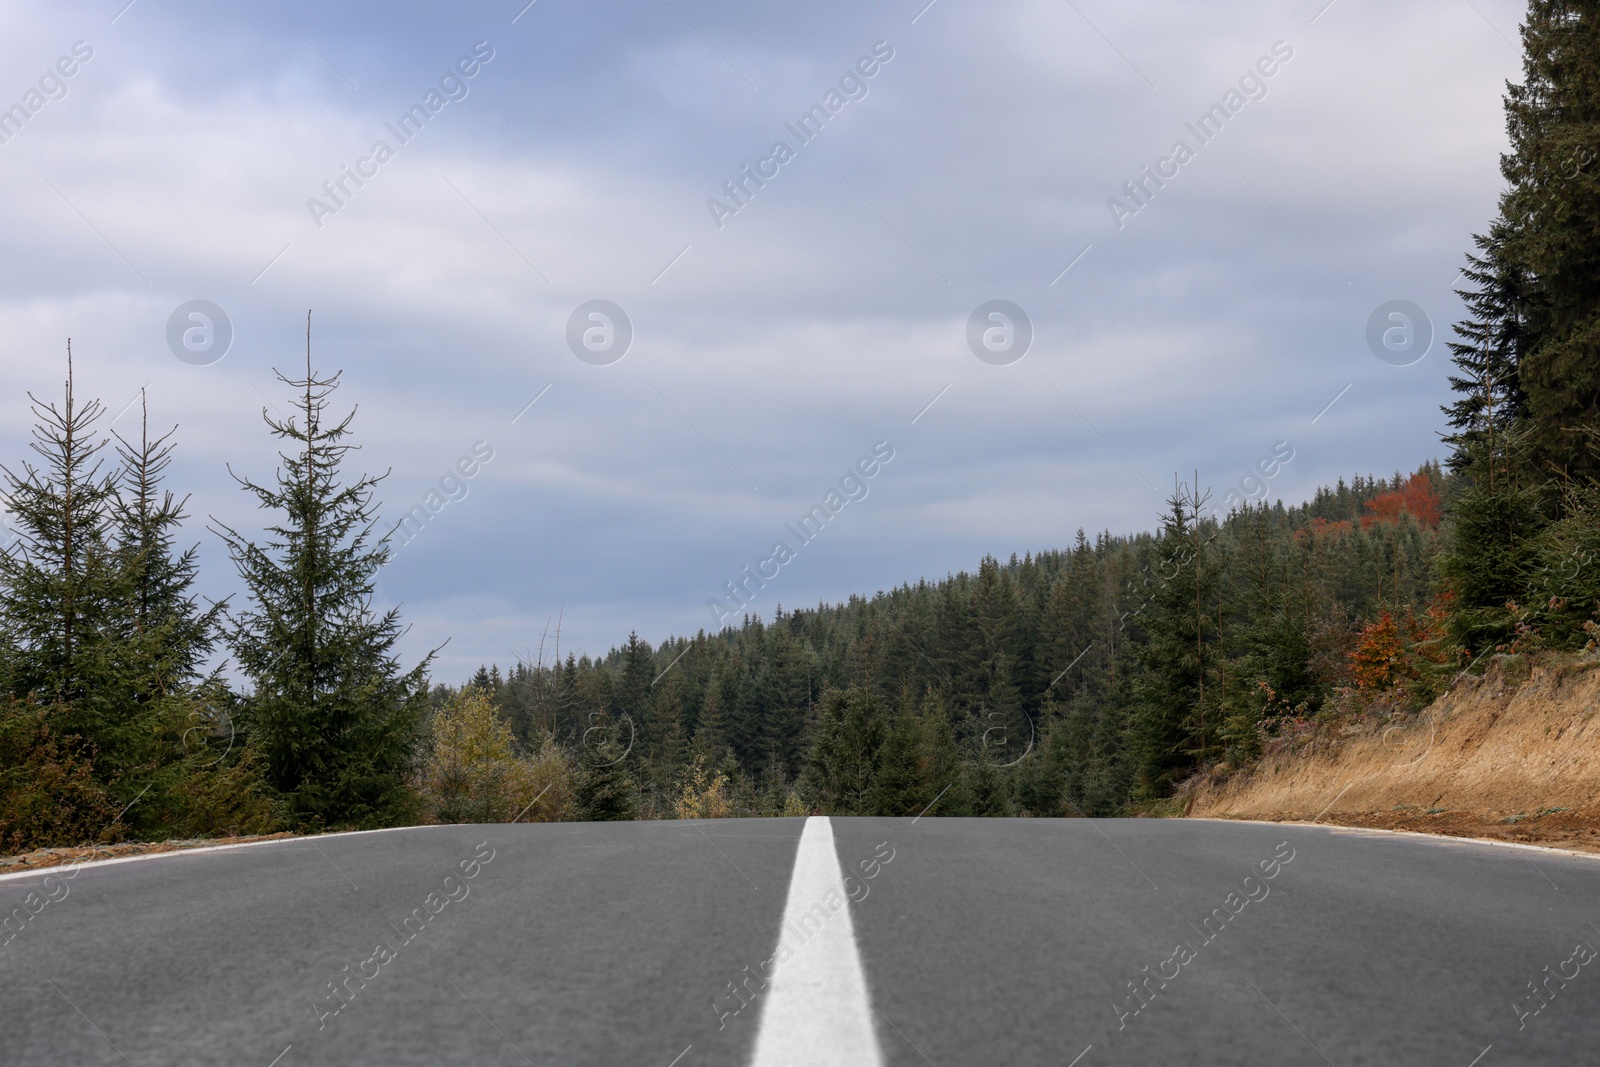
816,1011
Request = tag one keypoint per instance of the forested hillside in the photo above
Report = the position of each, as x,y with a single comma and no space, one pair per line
1068,681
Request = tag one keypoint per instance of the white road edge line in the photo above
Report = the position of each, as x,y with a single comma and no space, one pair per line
1440,838
40,872
816,1010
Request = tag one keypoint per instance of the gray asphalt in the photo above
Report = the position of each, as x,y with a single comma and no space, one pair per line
983,941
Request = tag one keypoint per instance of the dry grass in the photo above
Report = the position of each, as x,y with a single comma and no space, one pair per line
1513,755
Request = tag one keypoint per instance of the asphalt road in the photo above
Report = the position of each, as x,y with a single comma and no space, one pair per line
974,942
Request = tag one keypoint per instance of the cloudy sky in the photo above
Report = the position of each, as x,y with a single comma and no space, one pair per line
778,335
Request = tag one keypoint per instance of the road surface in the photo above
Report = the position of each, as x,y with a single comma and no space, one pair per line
788,941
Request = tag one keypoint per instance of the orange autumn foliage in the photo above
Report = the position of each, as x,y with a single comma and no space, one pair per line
1417,498
1394,653
1378,662
1321,527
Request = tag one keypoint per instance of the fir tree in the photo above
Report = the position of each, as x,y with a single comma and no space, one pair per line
336,716
711,731
989,789
1493,339
1175,661
1488,562
66,600
605,791
165,622
60,580
946,778
1552,208
841,772
900,786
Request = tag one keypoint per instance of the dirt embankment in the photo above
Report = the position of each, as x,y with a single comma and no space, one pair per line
1512,755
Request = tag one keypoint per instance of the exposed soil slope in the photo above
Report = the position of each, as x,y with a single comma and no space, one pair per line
1513,755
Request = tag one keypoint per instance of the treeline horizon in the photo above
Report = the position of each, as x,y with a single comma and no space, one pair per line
1055,684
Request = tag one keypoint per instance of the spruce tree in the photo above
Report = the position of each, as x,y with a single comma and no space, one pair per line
1494,527
900,786
989,789
841,771
165,637
669,747
65,598
1527,426
606,790
336,716
1176,661
163,610
1552,207
60,582
711,731
1493,339
633,684
946,777
783,688
1002,732
1051,771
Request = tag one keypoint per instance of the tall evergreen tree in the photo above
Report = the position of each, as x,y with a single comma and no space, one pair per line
1493,339
633,682
67,601
1177,658
606,790
711,731
841,772
990,790
336,716
1488,563
60,581
162,611
900,786
1552,207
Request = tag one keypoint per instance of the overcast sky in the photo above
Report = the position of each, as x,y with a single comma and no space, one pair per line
779,337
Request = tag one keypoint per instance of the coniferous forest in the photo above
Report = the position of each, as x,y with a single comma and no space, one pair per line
1089,680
